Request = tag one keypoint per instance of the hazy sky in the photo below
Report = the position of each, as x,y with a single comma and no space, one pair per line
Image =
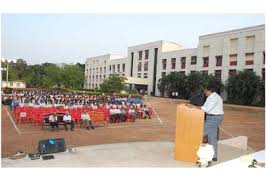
57,38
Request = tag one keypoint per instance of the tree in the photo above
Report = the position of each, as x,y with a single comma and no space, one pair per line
173,82
52,75
243,87
185,85
114,84
72,76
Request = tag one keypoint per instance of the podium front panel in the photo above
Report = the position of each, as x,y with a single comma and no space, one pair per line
189,133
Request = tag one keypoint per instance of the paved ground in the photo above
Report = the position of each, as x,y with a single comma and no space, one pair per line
238,121
132,154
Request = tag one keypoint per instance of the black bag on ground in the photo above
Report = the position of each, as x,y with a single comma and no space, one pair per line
51,146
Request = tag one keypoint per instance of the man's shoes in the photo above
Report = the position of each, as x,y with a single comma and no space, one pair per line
66,129
214,159
87,128
92,127
72,129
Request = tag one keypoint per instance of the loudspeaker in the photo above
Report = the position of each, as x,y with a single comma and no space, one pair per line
51,146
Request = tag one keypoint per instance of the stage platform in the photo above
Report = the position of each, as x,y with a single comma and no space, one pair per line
133,154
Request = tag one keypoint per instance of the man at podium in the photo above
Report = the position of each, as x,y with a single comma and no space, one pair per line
213,107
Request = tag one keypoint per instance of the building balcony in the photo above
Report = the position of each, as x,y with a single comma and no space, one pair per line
249,62
206,65
233,63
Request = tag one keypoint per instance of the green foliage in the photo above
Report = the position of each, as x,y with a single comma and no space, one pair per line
114,84
185,84
45,75
72,76
243,88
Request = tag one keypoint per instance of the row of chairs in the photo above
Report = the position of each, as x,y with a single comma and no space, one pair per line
35,115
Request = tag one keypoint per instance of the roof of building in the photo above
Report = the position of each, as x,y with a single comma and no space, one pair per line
252,28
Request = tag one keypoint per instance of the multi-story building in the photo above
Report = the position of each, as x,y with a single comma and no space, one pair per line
221,54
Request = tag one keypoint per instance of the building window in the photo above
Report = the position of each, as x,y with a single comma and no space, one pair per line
146,66
182,72
219,60
123,67
145,75
146,54
263,73
192,72
96,78
205,61
139,66
218,74
100,78
249,70
204,72
139,75
113,68
104,69
90,70
164,62
105,61
110,68
163,74
101,70
183,62
173,62
233,59
193,60
233,46
249,58
140,55
232,73
118,67
104,76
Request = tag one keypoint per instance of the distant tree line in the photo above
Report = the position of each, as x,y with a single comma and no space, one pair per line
46,74
244,88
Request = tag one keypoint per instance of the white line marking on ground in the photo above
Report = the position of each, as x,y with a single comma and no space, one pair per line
226,132
161,122
13,123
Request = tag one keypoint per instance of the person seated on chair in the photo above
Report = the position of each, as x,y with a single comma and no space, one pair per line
68,121
87,120
145,112
53,121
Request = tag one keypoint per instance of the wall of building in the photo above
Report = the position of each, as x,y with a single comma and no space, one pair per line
237,49
14,84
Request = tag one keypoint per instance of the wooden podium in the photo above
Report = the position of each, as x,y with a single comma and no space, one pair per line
189,133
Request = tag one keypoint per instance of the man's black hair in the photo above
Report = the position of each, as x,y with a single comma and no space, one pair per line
210,88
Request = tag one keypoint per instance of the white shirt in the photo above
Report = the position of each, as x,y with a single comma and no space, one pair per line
85,117
52,118
67,118
213,105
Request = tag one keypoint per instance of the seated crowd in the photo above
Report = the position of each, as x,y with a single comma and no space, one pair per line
117,108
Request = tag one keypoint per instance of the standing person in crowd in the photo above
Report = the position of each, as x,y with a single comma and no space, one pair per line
87,120
145,112
213,107
68,121
53,121
133,113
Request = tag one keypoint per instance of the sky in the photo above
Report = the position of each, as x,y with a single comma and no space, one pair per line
71,38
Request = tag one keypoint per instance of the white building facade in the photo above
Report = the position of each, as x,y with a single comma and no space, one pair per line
221,54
